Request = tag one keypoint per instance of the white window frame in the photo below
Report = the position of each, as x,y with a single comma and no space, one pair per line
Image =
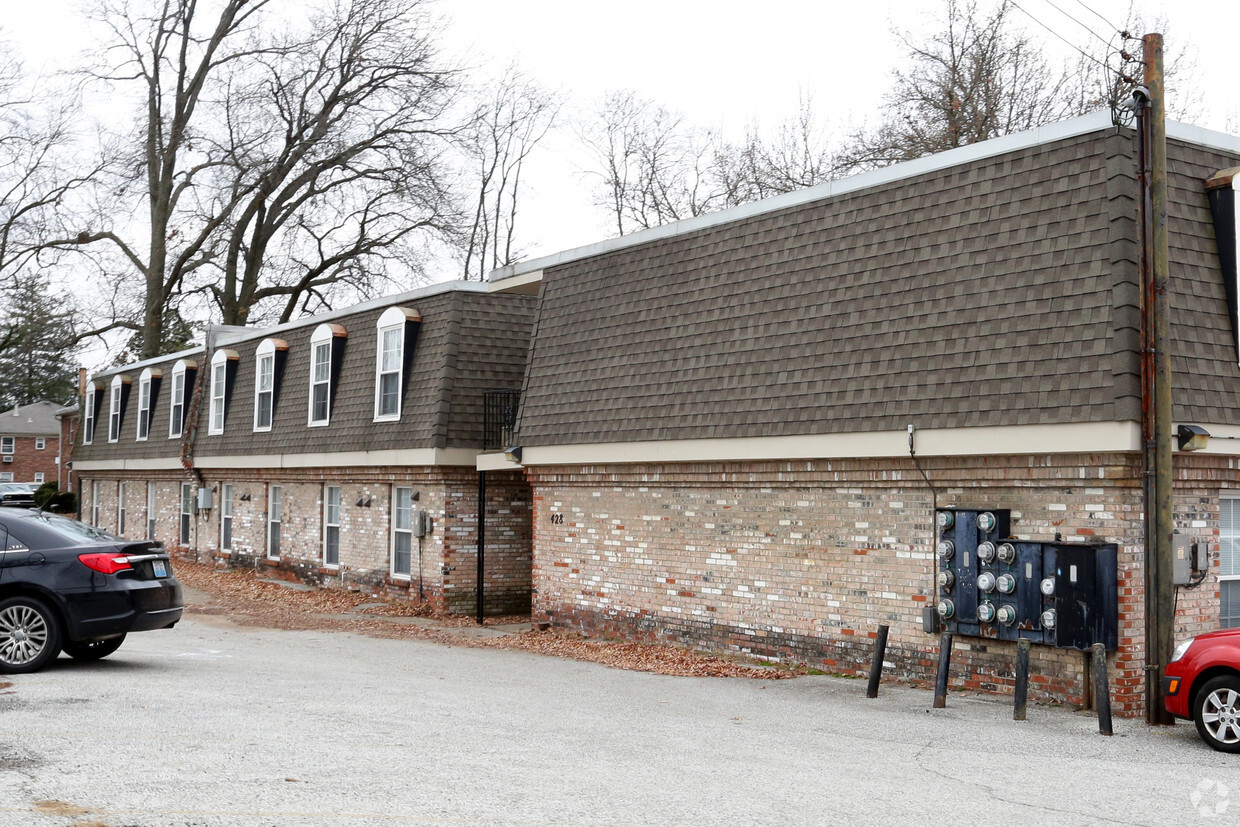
275,516
391,322
8,445
331,528
89,414
176,400
322,347
94,503
40,443
151,513
1229,548
144,405
402,528
120,508
6,476
226,516
219,391
264,355
187,513
39,477
114,408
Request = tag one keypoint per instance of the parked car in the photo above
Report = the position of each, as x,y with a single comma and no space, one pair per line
1202,683
66,586
19,494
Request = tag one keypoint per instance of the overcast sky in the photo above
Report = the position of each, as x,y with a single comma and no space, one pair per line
723,63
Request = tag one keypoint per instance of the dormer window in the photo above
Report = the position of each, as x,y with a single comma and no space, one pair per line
94,394
116,408
393,351
148,389
182,383
269,361
326,354
223,374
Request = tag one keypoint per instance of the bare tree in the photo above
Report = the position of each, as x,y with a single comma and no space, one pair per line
797,156
653,166
335,142
507,124
976,77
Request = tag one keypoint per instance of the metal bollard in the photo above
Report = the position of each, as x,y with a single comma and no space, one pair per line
1102,691
876,666
1022,679
945,662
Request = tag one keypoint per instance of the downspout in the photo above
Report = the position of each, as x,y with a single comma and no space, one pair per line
482,539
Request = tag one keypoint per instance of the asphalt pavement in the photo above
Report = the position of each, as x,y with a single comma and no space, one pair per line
216,724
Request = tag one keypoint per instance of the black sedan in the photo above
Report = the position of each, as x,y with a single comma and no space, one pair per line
66,586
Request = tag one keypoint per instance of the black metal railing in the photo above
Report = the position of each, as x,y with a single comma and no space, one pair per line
499,417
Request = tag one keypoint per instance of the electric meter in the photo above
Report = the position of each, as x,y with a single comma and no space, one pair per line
947,549
986,551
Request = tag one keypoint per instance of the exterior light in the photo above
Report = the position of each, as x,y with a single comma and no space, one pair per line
986,612
1006,583
1007,552
1191,437
986,521
947,609
1048,586
947,549
513,454
947,579
1007,614
945,519
986,551
1048,619
986,581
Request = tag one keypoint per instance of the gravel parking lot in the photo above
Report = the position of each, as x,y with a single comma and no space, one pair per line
217,724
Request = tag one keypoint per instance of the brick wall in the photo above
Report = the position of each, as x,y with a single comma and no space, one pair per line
28,460
803,560
444,563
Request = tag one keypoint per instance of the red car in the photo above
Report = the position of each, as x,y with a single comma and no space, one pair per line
1202,682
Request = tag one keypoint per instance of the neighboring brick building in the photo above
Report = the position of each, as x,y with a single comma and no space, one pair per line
715,414
29,443
313,448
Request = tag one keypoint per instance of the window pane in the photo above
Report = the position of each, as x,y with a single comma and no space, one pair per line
264,410
1229,612
320,403
265,372
402,555
1229,542
391,349
331,551
322,362
389,399
403,510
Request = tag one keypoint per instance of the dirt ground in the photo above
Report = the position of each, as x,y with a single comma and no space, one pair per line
244,597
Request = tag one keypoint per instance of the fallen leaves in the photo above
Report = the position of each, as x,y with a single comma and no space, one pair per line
242,597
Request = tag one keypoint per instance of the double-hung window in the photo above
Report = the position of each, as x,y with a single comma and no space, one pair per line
150,511
147,384
182,374
226,516
393,326
1229,562
187,511
116,407
7,444
402,531
223,363
331,525
40,443
275,508
326,351
120,509
89,413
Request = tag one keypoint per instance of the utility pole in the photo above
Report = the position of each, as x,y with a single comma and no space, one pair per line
1160,518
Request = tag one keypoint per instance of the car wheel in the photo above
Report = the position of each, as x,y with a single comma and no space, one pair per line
29,635
1217,713
92,649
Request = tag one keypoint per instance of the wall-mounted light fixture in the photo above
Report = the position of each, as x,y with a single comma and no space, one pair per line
513,454
1192,437
245,498
363,502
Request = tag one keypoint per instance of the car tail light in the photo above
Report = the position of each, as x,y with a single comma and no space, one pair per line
109,563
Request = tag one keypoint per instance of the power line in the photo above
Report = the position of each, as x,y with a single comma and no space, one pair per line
1089,9
1070,44
1057,8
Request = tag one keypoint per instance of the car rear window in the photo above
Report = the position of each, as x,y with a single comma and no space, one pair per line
49,530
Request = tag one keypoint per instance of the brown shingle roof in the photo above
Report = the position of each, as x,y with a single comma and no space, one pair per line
999,291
